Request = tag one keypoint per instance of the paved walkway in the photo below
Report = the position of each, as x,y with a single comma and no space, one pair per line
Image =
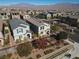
75,53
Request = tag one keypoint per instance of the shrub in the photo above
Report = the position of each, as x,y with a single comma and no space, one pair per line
24,49
6,56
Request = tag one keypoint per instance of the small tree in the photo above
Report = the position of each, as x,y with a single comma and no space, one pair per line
41,16
60,36
55,28
24,49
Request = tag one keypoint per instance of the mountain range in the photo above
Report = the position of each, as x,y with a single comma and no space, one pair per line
60,6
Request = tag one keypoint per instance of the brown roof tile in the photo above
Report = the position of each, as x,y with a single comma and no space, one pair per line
36,22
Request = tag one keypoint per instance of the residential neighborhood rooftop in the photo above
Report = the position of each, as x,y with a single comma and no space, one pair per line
28,33
36,22
72,16
16,22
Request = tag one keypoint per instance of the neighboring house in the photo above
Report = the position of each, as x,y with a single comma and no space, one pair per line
73,17
49,16
38,26
20,29
1,34
38,11
3,15
14,14
58,14
31,12
26,16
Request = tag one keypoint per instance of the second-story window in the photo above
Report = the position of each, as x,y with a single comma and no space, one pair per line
20,30
2,13
41,27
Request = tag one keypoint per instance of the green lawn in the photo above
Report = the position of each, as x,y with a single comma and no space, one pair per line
55,28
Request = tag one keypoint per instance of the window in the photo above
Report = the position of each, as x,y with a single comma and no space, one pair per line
41,27
41,32
13,13
19,30
2,14
28,35
48,32
0,41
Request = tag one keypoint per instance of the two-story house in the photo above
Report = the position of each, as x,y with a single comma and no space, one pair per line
4,15
24,15
14,14
20,29
1,34
38,26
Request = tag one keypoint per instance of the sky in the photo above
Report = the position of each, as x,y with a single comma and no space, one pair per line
36,2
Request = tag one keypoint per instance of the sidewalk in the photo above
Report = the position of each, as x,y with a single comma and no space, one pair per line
75,53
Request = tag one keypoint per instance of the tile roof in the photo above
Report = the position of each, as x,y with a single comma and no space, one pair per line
14,23
71,16
37,22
